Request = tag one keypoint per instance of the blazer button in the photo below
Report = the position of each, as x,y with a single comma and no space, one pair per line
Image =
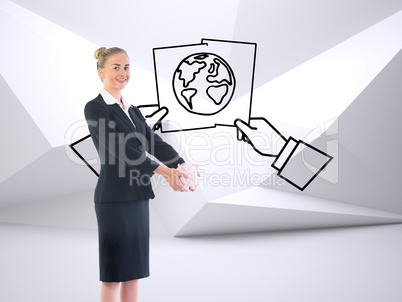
140,148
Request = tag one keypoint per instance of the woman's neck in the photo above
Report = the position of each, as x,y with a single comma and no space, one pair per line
116,94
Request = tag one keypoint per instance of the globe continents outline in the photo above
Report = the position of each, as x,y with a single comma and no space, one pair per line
203,83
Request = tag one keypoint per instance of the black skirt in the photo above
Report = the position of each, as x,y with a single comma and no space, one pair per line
123,230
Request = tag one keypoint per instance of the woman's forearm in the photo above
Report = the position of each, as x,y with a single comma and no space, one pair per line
162,170
172,176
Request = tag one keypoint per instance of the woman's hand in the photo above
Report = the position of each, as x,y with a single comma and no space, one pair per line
191,182
172,177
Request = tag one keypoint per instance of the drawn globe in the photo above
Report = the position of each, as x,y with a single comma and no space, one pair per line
204,83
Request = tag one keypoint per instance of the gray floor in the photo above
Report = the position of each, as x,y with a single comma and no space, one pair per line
345,264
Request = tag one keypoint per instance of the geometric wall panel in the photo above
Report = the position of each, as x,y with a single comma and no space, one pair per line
262,210
319,90
258,209
289,33
48,176
18,132
50,70
375,115
52,106
368,135
74,210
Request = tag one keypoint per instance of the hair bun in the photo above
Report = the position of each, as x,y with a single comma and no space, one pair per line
99,51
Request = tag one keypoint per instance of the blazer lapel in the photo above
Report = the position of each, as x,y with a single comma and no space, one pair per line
136,120
139,135
120,113
140,126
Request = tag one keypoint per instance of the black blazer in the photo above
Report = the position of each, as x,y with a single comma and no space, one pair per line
125,170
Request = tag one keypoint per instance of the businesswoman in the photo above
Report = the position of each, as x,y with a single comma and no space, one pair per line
123,190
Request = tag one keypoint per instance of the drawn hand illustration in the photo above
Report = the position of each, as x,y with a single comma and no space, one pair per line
261,135
200,86
296,161
153,115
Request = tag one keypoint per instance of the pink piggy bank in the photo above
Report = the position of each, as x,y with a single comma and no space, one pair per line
191,170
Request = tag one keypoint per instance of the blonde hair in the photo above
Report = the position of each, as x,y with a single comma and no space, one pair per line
103,53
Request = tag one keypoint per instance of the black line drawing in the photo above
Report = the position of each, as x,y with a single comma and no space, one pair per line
208,82
80,156
290,161
302,186
153,111
203,83
204,86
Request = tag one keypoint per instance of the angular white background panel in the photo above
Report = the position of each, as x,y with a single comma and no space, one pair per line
368,170
320,89
327,72
59,115
18,132
48,69
262,210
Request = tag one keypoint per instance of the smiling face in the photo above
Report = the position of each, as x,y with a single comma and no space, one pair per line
116,72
